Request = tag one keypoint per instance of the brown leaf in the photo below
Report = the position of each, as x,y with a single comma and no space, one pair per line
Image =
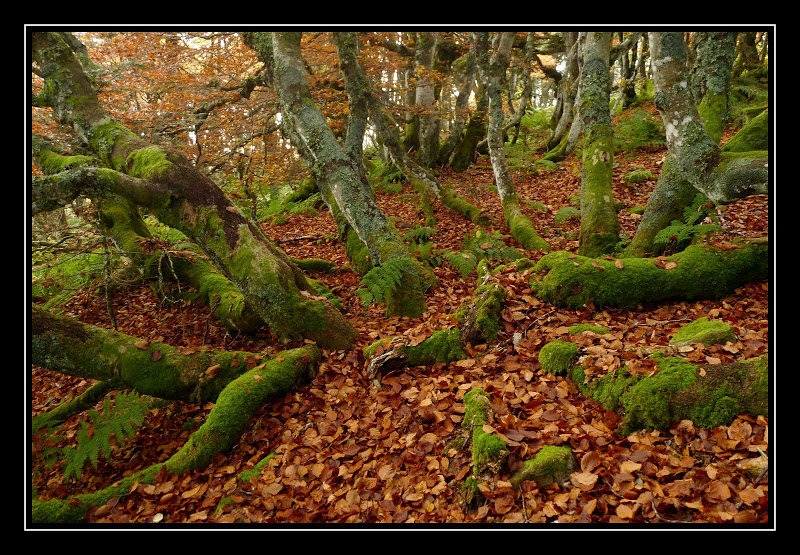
212,371
619,264
142,344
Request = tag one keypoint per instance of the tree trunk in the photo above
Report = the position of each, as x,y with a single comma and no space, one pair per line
182,198
426,100
722,177
599,231
709,395
491,72
338,177
360,91
460,110
699,272
674,191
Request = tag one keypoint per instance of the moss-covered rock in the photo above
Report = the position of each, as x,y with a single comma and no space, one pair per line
556,357
706,332
551,465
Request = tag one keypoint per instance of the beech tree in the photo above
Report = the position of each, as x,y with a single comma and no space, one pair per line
179,195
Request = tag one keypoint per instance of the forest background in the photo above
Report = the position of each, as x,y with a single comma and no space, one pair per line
442,194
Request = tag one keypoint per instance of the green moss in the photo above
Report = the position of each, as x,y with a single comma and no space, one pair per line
551,465
556,357
699,272
148,162
255,472
239,401
441,346
646,403
639,176
51,163
753,136
679,390
370,350
108,138
706,332
488,450
578,328
73,509
520,225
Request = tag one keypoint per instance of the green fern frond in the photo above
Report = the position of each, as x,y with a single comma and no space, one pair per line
700,209
381,281
120,421
420,234
463,262
481,246
682,235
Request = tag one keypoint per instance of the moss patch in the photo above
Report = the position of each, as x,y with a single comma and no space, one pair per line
551,465
706,332
556,357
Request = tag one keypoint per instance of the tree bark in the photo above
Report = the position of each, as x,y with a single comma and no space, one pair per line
338,177
722,177
491,71
182,198
674,190
426,99
599,231
699,272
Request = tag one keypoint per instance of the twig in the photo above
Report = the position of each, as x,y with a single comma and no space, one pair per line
303,238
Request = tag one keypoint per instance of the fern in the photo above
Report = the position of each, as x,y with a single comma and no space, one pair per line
420,235
680,235
566,213
480,246
381,281
121,421
700,209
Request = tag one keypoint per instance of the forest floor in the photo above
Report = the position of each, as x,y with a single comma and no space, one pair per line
349,449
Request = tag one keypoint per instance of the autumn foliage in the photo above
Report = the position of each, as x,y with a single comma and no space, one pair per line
349,448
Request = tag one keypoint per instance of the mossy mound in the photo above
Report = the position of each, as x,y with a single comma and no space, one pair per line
706,332
551,465
556,357
709,395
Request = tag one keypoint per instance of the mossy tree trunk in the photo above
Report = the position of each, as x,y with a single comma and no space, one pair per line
479,323
360,93
699,272
181,197
723,177
709,395
492,71
426,99
460,110
66,346
567,92
599,232
464,152
673,192
338,177
239,384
